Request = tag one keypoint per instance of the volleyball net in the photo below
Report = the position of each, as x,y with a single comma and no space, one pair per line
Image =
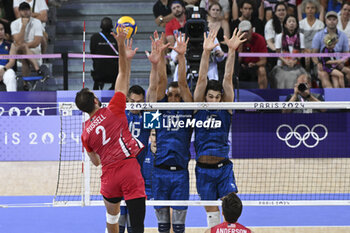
300,158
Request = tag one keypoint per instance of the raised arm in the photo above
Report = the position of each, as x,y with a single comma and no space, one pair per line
181,47
125,56
208,45
162,75
232,44
154,58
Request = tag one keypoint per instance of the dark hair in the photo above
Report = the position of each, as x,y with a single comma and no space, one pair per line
106,24
275,21
182,3
173,84
250,2
285,30
85,100
136,89
24,6
213,85
345,2
4,25
231,207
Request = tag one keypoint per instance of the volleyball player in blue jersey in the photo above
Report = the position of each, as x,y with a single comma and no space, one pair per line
170,180
214,170
136,94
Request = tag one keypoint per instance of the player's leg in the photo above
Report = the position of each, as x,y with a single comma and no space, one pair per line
122,219
207,189
180,191
163,217
137,210
112,213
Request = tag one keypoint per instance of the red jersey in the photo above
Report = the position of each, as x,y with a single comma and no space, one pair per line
173,26
226,227
107,133
256,45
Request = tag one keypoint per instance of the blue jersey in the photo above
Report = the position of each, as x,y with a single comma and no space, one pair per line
212,141
173,138
137,131
5,50
147,168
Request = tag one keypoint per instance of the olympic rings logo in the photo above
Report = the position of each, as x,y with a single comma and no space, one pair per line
304,137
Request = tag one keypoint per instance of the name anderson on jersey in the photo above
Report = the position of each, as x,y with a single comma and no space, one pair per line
95,123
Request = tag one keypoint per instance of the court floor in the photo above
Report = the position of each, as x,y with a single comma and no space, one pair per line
92,219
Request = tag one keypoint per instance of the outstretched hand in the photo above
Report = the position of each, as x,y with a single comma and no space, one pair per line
130,53
120,35
181,44
157,48
209,41
236,40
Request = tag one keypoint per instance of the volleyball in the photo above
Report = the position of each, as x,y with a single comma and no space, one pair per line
129,23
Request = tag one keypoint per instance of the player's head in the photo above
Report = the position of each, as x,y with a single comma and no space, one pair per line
106,24
174,92
136,94
24,10
231,207
213,92
86,100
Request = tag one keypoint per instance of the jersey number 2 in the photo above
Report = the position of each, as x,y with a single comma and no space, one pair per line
103,130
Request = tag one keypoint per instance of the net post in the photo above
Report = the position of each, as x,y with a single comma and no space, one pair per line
65,71
86,180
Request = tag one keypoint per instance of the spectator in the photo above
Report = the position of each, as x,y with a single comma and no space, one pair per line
39,11
271,4
341,47
303,93
343,20
225,13
275,25
302,8
258,9
162,12
27,34
309,26
177,23
246,9
331,65
290,41
7,75
7,16
252,68
231,210
104,70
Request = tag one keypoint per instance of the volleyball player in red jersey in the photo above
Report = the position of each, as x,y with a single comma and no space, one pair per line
108,141
231,209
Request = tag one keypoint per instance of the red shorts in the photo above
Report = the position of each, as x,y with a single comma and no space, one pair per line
123,179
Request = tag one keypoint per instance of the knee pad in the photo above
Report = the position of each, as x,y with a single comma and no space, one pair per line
112,219
179,228
122,220
213,218
164,227
179,217
163,217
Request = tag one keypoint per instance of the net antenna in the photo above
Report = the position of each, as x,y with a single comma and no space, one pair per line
316,172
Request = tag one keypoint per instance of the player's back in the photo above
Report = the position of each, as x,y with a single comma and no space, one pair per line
226,227
107,133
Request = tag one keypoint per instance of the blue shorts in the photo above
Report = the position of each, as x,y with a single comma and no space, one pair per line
170,185
213,184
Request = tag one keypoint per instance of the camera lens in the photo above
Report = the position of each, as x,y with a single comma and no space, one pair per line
302,87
